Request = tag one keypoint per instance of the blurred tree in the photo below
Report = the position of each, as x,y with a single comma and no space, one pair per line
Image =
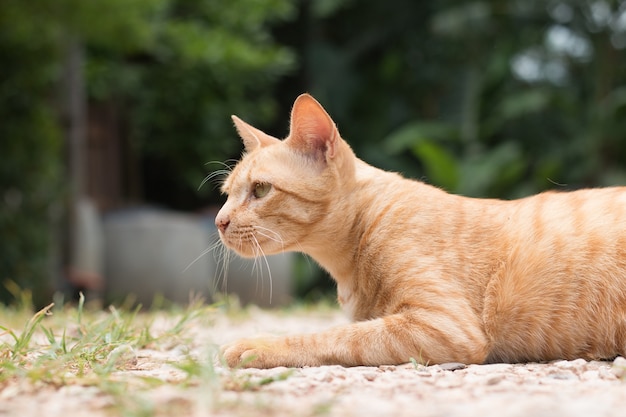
30,145
205,62
176,68
34,39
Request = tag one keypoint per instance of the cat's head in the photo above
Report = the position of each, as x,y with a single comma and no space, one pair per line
282,190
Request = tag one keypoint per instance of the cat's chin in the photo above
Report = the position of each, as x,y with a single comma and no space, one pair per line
251,252
250,255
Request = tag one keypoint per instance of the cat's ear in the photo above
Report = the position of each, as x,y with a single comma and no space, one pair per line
312,130
252,137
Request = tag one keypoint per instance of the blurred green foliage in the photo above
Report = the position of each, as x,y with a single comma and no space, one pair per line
202,62
30,145
492,98
175,68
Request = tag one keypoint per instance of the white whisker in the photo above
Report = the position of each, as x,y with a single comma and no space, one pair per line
222,260
256,269
267,265
202,254
220,172
213,175
276,237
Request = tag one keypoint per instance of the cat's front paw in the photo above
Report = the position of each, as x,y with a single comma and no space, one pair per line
254,353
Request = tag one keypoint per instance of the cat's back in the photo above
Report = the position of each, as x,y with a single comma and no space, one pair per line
577,233
572,213
405,214
559,290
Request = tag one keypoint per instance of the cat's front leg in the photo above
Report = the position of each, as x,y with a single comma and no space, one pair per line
268,352
388,340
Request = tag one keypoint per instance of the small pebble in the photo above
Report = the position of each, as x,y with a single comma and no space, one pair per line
619,367
577,363
452,366
495,380
369,376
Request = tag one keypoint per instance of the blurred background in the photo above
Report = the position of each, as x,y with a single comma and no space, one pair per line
112,112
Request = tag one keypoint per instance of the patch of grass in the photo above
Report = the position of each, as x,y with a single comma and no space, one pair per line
22,341
110,352
62,346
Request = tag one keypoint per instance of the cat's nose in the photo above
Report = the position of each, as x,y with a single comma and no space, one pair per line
222,222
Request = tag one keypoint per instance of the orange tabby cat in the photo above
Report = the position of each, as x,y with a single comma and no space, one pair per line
425,274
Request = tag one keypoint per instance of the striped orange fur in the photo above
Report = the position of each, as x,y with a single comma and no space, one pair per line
425,274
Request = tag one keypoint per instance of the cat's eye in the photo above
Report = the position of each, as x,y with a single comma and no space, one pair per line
261,189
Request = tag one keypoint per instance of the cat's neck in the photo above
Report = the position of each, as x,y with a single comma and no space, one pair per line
335,245
335,253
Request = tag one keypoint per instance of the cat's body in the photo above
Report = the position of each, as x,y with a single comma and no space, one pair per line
423,273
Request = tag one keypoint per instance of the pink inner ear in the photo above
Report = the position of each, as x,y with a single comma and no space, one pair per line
312,130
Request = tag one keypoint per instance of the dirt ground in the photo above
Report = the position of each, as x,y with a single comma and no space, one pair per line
562,388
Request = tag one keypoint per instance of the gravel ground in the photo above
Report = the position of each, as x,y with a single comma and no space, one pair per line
562,388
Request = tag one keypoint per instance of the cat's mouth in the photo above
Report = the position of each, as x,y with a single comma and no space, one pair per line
252,242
